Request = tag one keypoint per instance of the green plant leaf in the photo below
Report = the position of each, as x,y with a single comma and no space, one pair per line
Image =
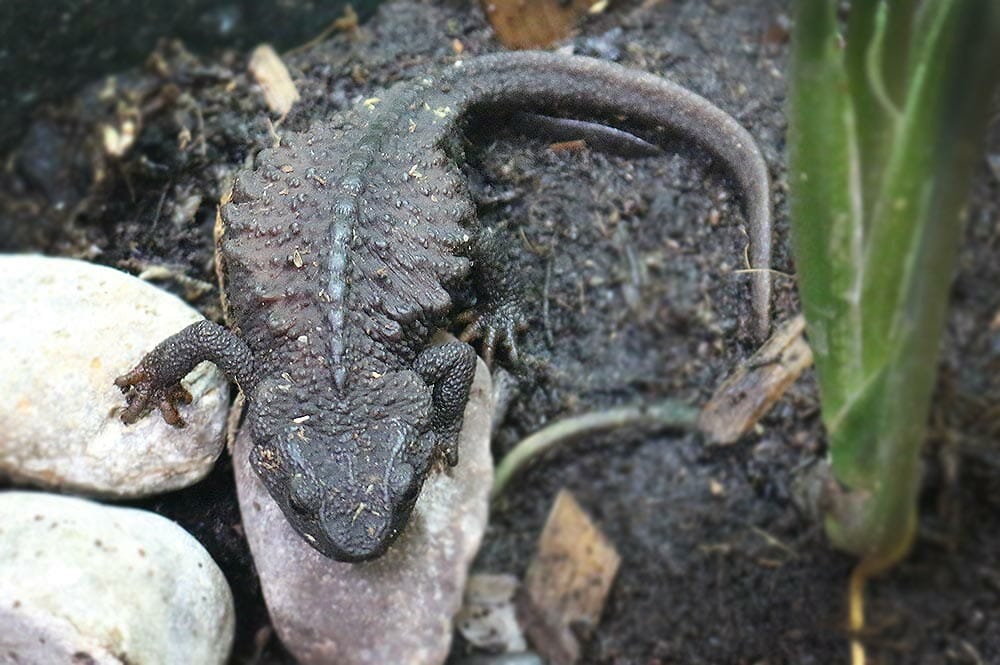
883,135
826,204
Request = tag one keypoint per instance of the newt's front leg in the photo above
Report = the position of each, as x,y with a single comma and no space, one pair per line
448,369
155,381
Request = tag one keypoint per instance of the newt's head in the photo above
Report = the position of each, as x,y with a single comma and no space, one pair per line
345,468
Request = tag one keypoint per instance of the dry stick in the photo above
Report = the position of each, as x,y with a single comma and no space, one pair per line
546,322
659,415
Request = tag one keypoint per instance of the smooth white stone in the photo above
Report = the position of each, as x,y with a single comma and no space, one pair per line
117,585
67,329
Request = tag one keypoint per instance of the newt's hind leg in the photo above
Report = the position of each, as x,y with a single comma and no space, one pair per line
156,380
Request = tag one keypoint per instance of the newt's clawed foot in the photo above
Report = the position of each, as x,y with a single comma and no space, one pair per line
498,327
142,394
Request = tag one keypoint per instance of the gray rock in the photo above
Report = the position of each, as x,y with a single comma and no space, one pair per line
994,162
522,658
80,580
68,329
397,609
488,618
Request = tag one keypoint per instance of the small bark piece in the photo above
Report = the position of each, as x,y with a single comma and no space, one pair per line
519,24
756,385
567,582
270,72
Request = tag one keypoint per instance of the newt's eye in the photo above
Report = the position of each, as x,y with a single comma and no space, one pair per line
304,494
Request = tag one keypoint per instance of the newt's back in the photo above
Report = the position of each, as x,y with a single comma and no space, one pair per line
339,245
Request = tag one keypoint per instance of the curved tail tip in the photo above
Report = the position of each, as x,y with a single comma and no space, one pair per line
761,298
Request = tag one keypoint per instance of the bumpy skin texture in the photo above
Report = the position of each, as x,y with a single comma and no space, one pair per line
339,254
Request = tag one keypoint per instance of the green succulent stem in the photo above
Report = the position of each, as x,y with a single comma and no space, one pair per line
887,112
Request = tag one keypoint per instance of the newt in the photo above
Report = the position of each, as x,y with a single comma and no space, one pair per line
341,252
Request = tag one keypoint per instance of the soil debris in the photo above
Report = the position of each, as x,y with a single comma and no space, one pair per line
567,582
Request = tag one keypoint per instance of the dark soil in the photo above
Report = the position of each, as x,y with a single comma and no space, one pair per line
633,297
49,48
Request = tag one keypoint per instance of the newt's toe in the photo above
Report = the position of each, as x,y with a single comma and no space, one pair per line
497,329
142,394
168,409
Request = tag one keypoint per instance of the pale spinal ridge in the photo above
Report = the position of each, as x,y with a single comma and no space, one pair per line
395,231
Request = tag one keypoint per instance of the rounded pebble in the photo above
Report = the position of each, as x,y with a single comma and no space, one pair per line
86,583
69,328
398,608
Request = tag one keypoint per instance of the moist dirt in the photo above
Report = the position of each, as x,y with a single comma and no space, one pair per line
634,292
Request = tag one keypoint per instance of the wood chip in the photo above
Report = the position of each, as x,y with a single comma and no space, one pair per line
348,22
576,145
118,140
755,386
567,582
271,74
539,23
